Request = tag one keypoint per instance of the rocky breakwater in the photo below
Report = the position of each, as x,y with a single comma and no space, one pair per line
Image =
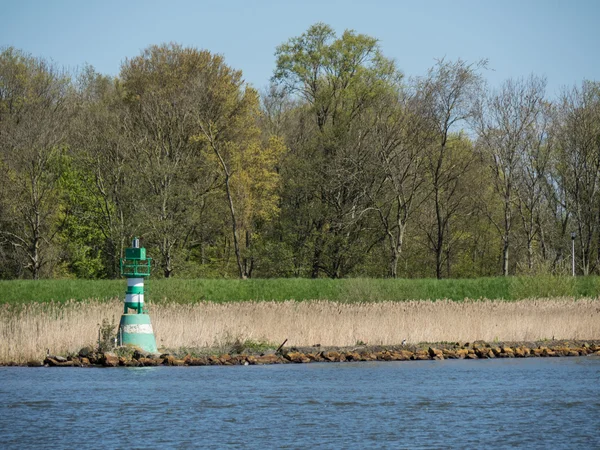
128,357
138,358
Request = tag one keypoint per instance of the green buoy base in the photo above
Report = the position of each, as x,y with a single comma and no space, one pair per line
136,329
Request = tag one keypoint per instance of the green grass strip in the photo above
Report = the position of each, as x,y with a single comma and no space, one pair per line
299,289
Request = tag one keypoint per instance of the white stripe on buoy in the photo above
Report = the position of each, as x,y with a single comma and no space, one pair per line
137,282
134,298
138,328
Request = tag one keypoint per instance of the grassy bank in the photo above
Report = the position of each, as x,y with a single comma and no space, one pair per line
346,290
26,331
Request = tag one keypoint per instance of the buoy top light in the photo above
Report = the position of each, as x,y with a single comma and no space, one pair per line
135,264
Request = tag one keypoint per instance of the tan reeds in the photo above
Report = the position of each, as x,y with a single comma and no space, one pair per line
67,327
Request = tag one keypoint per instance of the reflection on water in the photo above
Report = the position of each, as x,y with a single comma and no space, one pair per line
533,403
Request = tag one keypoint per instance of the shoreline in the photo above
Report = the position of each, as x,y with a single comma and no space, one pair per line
131,357
26,333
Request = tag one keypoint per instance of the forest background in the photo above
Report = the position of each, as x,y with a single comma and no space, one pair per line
344,167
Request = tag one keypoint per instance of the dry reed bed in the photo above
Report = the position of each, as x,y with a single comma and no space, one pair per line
25,334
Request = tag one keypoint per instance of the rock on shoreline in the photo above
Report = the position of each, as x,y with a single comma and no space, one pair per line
131,357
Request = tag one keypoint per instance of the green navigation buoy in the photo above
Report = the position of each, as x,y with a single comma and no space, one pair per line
135,327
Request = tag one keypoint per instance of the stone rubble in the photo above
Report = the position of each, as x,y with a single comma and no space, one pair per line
477,350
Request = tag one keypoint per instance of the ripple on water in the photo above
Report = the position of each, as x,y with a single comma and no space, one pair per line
389,405
32,404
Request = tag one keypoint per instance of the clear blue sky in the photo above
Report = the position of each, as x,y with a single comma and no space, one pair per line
558,39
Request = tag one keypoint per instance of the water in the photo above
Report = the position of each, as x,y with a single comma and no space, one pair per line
532,403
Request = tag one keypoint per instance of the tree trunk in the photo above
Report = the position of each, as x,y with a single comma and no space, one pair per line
542,241
438,261
529,253
167,269
394,264
236,243
448,240
248,262
316,263
440,230
505,256
598,241
507,227
35,254
396,243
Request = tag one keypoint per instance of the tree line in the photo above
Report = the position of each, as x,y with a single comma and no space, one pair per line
343,167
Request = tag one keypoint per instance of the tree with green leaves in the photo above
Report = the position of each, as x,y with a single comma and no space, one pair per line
338,79
229,136
34,113
101,167
166,89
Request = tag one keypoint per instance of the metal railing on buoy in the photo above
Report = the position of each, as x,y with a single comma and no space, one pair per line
135,328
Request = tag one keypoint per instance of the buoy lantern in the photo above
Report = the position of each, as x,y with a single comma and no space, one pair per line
135,327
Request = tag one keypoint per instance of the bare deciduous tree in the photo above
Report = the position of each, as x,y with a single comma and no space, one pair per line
34,113
400,137
507,125
451,90
578,140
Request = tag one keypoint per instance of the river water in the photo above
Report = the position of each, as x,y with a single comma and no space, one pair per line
532,403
